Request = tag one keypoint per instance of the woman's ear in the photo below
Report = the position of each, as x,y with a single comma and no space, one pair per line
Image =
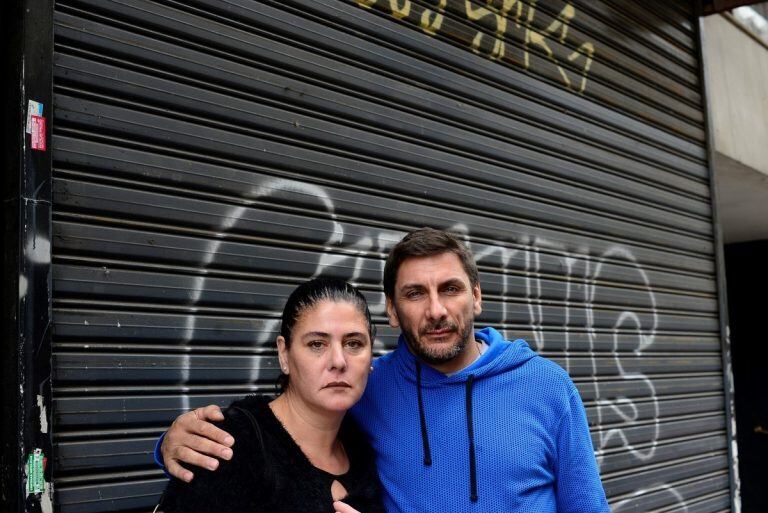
282,354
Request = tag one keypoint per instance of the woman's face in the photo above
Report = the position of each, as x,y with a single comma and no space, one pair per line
329,358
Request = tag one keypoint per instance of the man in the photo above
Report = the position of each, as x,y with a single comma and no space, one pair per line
460,420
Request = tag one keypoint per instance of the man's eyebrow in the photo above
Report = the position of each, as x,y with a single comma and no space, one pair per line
411,286
455,280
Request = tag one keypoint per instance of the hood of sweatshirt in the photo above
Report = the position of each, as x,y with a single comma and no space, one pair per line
499,357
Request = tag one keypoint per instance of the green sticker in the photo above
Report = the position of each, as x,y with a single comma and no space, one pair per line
35,477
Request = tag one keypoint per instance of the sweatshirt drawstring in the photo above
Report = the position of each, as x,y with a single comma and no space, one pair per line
471,436
423,419
470,432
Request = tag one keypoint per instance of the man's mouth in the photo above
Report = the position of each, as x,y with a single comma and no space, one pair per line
439,331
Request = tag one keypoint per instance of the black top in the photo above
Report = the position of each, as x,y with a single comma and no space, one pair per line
273,474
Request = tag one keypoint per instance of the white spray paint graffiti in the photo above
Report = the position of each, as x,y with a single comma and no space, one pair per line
630,503
230,220
623,406
581,273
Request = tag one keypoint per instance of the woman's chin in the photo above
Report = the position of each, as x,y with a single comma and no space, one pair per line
339,404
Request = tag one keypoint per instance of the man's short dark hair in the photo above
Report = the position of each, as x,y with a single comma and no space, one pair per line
425,242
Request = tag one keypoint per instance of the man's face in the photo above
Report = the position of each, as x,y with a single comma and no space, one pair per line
434,305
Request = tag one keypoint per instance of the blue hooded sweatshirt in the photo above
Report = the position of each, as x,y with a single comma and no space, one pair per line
507,433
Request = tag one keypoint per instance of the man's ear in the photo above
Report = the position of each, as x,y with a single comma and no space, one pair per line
477,299
282,354
392,314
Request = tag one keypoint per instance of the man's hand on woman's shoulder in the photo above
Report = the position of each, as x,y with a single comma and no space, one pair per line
193,439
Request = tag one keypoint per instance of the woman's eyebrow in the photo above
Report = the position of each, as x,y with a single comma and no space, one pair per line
355,334
320,334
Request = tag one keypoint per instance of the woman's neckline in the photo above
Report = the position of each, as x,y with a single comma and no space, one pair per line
298,447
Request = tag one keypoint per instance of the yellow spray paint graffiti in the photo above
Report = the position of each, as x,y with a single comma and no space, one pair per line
432,21
503,31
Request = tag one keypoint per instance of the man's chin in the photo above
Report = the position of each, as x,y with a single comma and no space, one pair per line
436,350
437,355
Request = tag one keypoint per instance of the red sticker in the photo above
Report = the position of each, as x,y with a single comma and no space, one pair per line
38,133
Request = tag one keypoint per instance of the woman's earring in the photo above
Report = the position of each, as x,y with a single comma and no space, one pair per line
371,370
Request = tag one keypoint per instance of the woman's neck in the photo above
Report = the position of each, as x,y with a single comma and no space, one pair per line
315,432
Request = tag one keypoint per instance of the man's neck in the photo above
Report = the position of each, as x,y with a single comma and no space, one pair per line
481,347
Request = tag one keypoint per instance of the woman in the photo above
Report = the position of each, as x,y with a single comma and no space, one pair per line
296,452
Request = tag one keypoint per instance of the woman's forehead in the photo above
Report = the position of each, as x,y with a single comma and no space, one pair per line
331,311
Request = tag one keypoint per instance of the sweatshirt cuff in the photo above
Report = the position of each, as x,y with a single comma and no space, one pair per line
158,455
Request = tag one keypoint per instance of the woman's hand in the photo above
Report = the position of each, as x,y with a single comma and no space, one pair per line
341,507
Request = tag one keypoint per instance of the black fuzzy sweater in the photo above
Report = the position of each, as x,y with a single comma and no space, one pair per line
272,474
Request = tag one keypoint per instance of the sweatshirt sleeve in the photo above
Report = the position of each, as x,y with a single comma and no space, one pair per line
578,485
158,454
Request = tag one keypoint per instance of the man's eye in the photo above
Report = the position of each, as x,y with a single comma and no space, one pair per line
413,294
316,344
452,289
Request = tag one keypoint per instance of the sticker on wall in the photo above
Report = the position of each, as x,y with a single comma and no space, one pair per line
35,472
38,133
33,109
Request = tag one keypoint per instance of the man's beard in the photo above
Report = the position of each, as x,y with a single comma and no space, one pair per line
438,355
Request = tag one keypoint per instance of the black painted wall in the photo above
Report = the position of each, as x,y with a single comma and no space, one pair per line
10,119
25,304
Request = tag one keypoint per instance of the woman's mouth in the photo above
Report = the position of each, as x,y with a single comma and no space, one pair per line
338,384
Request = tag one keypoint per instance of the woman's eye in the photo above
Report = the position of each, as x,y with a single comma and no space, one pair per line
316,344
354,344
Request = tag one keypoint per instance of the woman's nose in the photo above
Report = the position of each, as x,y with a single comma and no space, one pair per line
337,358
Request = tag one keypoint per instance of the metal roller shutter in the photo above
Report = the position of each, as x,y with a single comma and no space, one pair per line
209,155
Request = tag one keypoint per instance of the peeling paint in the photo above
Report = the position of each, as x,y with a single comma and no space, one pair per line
38,250
736,478
23,286
43,414
46,500
732,413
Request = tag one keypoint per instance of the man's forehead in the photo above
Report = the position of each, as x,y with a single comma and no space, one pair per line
447,266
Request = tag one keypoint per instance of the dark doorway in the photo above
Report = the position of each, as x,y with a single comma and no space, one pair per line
747,279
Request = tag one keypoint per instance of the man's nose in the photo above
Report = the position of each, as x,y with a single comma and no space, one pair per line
436,307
